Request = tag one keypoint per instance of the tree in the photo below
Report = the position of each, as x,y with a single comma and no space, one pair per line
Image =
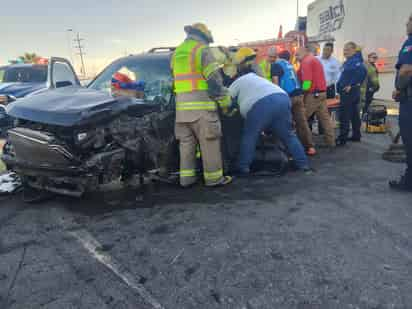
29,57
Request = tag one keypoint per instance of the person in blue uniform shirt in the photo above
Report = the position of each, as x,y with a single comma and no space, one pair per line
403,94
352,76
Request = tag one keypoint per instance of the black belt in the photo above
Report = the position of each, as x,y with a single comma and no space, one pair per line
317,93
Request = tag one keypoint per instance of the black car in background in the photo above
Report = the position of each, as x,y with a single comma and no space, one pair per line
70,140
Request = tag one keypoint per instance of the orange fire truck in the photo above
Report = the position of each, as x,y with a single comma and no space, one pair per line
291,42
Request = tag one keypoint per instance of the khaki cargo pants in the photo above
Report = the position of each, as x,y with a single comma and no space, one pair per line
301,123
318,106
206,132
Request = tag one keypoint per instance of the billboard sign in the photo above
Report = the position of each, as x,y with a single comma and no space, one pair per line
332,18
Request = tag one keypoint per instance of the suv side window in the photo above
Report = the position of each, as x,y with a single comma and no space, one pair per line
63,75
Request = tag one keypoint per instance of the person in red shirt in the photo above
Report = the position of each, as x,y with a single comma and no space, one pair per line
313,81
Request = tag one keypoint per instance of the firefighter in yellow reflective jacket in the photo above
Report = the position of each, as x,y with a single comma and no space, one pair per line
266,64
199,90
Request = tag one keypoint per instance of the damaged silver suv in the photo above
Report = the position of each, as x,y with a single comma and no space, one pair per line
69,140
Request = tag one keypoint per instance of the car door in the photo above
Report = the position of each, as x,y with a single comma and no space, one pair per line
61,74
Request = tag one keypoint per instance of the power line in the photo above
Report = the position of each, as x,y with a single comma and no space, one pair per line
81,52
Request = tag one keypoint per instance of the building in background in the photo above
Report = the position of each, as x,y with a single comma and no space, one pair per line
373,24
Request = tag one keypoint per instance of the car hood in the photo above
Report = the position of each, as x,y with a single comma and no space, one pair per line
20,90
69,106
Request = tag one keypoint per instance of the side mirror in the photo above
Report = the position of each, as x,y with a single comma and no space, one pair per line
11,98
63,84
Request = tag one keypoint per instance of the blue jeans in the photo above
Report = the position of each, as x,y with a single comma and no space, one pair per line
272,112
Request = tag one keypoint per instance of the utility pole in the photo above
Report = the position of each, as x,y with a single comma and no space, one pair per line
80,47
69,45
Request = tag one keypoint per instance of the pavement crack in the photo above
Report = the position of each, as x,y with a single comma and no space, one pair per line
16,246
6,302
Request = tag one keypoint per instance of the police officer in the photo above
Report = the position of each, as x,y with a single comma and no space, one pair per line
403,94
353,75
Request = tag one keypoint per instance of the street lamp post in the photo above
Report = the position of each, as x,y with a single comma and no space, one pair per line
69,45
297,9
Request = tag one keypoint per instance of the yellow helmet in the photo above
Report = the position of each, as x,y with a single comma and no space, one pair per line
244,54
200,28
224,58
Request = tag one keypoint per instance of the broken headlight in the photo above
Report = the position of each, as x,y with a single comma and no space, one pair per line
94,138
81,137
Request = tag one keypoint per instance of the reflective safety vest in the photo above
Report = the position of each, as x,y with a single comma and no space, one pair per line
190,76
266,66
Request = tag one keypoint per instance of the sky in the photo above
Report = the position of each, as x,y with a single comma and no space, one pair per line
112,29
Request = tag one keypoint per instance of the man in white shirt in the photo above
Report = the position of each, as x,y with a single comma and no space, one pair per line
264,105
331,66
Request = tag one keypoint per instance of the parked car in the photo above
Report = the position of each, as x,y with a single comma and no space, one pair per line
73,139
5,120
21,80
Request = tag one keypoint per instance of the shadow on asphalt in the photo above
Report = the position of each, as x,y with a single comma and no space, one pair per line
161,196
102,202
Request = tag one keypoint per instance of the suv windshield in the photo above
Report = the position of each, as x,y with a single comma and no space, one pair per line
29,74
154,70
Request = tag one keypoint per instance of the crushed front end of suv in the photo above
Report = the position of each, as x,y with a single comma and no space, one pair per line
72,140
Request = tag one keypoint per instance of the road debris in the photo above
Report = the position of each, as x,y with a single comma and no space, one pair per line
9,183
177,257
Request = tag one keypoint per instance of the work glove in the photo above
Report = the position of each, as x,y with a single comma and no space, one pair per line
230,112
224,102
229,108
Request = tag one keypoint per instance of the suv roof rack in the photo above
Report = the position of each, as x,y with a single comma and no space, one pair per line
161,49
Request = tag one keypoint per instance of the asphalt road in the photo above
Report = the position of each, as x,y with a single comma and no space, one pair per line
336,239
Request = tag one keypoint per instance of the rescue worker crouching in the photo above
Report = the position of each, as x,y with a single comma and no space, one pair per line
265,106
199,89
261,69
